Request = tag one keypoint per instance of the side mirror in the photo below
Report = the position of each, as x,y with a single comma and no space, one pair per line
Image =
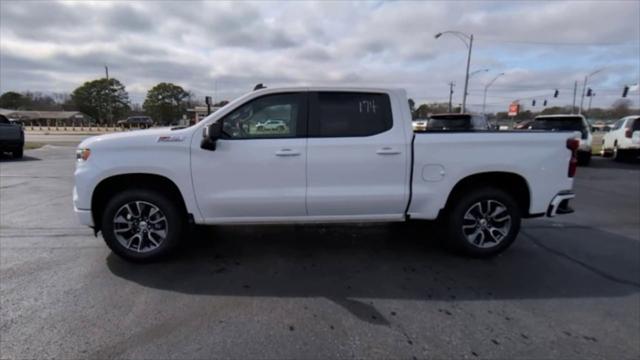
210,135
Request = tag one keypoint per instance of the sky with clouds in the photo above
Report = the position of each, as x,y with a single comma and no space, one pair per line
223,49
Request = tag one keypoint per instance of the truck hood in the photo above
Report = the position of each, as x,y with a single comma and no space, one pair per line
137,138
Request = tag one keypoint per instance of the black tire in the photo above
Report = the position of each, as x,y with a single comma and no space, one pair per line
618,155
584,158
455,219
175,224
18,153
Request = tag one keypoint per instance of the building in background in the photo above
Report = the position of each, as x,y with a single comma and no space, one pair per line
48,118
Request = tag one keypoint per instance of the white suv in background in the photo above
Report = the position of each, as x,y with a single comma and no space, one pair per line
569,122
623,141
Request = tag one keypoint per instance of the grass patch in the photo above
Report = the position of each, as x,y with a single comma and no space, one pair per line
33,145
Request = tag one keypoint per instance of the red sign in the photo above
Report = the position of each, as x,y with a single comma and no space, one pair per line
514,108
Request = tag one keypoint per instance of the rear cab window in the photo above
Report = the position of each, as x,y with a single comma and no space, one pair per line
349,114
560,123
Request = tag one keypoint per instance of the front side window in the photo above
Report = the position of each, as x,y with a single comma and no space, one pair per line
349,114
270,116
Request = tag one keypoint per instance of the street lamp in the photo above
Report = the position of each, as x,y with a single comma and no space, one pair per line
584,87
468,42
486,87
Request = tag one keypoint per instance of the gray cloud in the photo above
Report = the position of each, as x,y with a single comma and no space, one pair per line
55,46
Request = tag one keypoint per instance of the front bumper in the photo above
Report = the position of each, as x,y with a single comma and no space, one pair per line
84,216
560,204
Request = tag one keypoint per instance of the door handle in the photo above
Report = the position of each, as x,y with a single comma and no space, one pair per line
387,151
287,152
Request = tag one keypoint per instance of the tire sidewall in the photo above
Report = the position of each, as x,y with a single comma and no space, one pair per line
458,241
174,217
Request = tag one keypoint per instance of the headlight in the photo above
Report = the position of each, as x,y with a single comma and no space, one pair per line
83,154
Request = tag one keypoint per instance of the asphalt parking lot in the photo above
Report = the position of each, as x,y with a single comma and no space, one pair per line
568,288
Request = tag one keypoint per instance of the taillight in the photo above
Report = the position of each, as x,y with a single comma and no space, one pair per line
628,133
573,144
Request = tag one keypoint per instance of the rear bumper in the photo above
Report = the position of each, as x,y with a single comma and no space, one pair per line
560,204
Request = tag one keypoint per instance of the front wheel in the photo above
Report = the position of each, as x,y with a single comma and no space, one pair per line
142,225
483,222
18,153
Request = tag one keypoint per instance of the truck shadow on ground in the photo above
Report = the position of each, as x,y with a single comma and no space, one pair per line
345,263
608,163
9,158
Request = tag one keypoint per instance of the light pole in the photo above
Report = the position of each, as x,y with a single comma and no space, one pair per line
486,87
468,42
584,88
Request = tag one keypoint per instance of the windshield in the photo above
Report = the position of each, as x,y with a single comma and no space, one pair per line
560,123
449,122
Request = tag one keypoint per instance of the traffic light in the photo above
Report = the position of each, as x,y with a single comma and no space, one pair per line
556,93
589,92
533,102
544,103
625,91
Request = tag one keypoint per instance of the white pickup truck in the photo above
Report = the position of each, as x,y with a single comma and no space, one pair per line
348,155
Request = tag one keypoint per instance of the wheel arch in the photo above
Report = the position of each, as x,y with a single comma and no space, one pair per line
514,184
116,183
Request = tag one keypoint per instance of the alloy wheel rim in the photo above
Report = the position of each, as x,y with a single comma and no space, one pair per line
486,223
140,226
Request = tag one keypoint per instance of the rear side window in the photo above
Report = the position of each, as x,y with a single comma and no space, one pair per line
349,114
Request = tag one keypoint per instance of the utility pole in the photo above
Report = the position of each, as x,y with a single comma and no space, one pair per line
575,91
106,71
451,85
590,99
468,42
486,88
466,79
584,87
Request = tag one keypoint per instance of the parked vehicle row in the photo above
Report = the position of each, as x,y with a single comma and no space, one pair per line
348,155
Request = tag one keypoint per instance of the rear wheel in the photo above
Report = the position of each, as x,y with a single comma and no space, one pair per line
142,225
483,222
617,154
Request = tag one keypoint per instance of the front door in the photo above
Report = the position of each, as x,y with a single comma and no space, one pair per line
258,170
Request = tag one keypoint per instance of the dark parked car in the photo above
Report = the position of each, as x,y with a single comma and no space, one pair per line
136,122
457,122
11,137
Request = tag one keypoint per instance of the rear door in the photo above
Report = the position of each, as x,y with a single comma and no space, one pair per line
357,158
